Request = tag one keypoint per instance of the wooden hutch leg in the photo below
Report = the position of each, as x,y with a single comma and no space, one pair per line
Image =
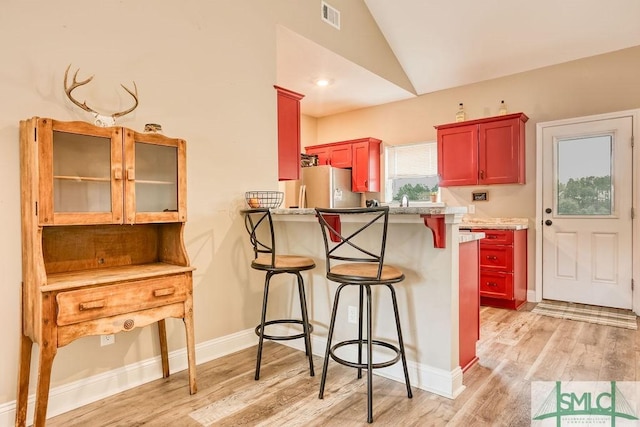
23,380
47,353
164,353
191,351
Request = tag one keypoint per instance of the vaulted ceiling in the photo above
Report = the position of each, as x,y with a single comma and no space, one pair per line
442,44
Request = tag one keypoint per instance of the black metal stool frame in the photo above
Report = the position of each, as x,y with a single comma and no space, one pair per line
255,219
331,231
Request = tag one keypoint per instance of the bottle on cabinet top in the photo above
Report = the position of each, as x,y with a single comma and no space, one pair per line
502,111
460,115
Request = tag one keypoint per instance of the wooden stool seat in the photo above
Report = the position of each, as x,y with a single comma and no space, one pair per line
363,272
283,262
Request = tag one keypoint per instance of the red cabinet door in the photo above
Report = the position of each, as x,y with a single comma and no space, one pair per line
340,156
288,134
458,155
365,174
469,300
323,154
501,152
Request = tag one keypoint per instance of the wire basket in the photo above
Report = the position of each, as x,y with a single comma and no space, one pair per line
264,199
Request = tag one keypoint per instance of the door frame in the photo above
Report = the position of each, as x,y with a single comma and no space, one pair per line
635,184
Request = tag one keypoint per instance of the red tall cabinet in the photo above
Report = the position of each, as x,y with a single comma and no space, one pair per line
288,134
482,152
469,300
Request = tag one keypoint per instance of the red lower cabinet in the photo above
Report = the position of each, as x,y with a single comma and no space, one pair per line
469,299
503,268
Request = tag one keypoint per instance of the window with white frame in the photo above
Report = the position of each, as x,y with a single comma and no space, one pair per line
411,169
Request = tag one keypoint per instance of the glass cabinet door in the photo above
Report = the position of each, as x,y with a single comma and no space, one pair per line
80,173
155,178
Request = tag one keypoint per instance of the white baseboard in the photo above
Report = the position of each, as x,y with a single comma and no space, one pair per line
531,296
82,392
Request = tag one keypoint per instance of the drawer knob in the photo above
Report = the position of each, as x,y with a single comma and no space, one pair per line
129,324
91,305
163,292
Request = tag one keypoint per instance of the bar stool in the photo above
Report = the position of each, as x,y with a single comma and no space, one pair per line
352,260
259,224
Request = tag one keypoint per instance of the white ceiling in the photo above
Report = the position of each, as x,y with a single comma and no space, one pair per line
442,44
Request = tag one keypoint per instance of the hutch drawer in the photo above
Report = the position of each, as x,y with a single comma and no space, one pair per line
104,301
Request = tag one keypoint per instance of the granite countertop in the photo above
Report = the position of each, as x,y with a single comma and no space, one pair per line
472,223
433,209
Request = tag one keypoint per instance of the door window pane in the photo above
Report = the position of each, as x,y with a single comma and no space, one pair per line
583,176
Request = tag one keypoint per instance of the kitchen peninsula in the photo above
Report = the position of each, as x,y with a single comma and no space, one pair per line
424,243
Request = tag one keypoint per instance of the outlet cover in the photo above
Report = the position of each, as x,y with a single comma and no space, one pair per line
107,339
352,314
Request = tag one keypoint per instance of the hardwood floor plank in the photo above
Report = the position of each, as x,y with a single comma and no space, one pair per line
516,347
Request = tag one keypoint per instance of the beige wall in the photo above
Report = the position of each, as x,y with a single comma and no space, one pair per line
205,71
599,84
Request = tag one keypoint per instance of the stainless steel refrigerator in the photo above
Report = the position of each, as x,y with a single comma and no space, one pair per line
327,187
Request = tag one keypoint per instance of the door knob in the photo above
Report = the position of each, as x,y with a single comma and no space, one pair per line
548,210
548,222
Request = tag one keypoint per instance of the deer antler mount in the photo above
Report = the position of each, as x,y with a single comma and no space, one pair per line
100,119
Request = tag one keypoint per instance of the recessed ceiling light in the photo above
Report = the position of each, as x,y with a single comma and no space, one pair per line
323,82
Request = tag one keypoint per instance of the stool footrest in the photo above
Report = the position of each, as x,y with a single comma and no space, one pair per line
364,343
283,337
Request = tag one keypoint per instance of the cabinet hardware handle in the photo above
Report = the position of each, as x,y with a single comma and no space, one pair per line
481,174
117,173
491,236
492,257
163,292
131,174
91,305
492,284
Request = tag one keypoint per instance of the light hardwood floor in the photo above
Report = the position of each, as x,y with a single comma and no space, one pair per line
515,349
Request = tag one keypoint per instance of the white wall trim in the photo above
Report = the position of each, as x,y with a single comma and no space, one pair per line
532,296
82,392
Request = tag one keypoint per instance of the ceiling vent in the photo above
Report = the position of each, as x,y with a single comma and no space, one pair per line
330,15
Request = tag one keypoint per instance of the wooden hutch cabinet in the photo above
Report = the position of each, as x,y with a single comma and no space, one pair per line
103,213
362,156
482,152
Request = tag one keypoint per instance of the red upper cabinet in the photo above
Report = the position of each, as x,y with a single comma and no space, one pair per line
288,134
337,155
361,155
323,153
485,151
365,174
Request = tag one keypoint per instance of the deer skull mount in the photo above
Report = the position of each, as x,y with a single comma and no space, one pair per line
100,119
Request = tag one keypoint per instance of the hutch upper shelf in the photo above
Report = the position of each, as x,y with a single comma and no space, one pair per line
94,175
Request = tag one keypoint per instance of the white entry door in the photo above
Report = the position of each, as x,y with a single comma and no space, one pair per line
587,212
